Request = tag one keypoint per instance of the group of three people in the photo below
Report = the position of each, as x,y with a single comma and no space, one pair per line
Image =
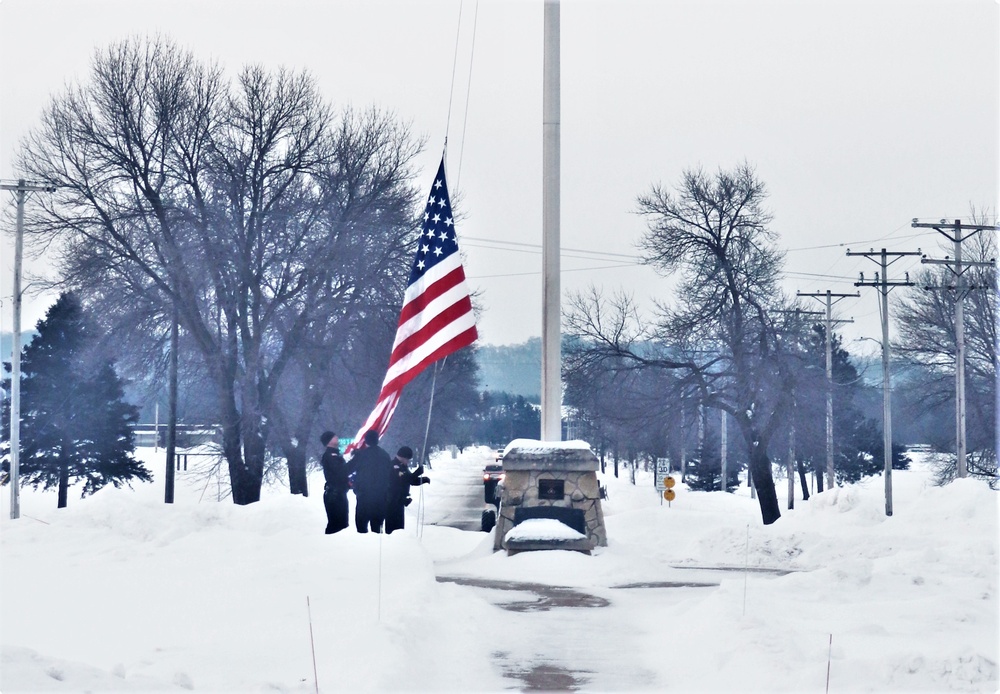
381,485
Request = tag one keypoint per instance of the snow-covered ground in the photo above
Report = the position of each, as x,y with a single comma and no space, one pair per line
120,592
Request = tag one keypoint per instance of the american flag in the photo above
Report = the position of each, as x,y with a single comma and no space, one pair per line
436,318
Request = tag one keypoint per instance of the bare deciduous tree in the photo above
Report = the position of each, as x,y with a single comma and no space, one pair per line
927,340
719,335
247,207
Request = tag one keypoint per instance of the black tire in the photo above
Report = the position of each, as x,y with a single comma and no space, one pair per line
489,520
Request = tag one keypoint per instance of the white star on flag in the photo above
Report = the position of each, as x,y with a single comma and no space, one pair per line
436,319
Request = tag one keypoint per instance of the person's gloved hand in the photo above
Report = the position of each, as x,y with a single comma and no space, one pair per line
407,502
425,480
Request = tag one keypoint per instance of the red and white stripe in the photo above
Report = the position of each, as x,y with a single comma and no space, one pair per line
436,320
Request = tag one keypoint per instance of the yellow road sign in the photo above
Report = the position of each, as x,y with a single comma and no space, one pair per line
669,494
668,482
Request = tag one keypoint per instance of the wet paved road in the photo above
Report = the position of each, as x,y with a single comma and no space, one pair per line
562,654
566,651
458,498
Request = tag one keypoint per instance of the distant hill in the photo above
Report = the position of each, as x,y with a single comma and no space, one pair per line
515,369
7,341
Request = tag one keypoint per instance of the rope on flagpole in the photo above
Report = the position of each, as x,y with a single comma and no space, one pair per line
420,513
468,91
454,67
424,457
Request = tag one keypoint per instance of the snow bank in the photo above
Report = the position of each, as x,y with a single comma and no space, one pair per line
120,592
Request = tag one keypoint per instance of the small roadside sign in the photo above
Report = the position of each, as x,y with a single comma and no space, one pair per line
662,472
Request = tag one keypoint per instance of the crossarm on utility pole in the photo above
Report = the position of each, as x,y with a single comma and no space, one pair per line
885,286
831,299
958,266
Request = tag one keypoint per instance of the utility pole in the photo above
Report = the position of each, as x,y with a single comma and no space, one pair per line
790,464
21,189
958,266
884,286
831,299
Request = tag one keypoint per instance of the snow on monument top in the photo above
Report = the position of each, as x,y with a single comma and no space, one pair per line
529,454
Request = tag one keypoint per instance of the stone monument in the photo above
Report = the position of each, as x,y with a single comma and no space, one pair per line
552,481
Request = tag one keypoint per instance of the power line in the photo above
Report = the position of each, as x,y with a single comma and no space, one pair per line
538,272
539,247
890,235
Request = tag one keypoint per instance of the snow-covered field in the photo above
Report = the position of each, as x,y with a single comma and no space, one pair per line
120,592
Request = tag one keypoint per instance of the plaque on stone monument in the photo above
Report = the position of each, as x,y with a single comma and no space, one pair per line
553,490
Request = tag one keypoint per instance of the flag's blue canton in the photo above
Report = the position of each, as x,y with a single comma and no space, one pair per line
437,237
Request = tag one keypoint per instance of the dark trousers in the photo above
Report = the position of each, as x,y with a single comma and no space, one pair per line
369,513
335,501
395,516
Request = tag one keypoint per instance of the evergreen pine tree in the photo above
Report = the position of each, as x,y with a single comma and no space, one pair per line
857,439
704,471
75,425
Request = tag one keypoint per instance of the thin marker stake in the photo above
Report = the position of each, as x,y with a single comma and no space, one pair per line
380,574
312,643
746,571
829,655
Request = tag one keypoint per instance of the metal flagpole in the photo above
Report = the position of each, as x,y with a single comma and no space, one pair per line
551,357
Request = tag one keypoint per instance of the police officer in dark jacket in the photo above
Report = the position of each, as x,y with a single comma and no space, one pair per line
335,470
399,490
373,470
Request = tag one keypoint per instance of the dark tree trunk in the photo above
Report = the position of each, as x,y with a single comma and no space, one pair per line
253,455
297,478
63,485
616,461
305,420
819,483
169,476
767,497
804,481
232,450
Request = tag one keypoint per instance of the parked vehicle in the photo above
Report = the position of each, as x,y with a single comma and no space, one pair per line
493,473
492,491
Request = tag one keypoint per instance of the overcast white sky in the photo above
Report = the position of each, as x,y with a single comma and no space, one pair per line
858,116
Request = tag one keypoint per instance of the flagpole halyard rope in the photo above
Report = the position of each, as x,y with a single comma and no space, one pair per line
468,91
454,67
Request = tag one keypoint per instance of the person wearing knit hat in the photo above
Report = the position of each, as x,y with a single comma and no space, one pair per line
399,496
335,470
